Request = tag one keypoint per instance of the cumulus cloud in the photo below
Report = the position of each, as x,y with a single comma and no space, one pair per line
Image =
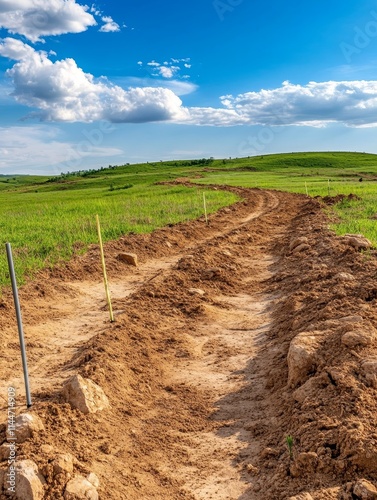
37,18
352,103
167,69
64,92
110,25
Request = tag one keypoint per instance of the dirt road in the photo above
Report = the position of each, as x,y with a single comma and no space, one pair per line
203,392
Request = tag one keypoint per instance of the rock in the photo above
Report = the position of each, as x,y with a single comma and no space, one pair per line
269,452
85,395
27,424
29,483
130,258
344,277
168,244
196,291
358,241
297,241
301,248
302,356
369,367
63,464
93,479
364,490
226,253
301,496
355,338
80,488
351,319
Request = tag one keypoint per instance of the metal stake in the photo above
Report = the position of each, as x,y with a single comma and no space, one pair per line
19,322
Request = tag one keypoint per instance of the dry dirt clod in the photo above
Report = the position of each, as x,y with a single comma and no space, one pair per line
301,496
365,490
358,241
302,356
369,367
28,424
63,464
84,395
80,488
29,483
362,338
129,258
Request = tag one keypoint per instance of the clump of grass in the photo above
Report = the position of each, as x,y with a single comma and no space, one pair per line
289,441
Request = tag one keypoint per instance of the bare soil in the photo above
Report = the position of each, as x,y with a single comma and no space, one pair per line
195,365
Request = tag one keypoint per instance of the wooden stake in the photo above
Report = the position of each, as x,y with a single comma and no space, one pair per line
306,188
107,291
205,207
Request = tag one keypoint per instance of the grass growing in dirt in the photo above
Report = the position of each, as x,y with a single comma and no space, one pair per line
45,226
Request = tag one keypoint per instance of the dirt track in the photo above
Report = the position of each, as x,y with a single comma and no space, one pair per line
198,382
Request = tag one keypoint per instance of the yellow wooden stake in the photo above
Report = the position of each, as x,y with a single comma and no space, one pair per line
205,207
104,270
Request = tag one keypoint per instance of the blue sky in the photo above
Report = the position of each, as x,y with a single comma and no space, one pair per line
87,85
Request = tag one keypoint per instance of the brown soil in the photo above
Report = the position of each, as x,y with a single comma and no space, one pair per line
198,384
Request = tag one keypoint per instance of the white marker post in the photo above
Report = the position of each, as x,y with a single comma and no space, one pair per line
19,322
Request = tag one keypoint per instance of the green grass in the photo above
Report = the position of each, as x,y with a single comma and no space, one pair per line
47,226
321,174
47,220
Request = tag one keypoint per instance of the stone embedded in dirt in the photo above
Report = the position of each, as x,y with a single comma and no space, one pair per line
301,248
297,242
80,488
130,258
27,424
355,338
84,395
357,241
63,464
369,367
301,496
196,291
351,319
302,356
168,244
344,277
364,490
269,453
93,479
29,483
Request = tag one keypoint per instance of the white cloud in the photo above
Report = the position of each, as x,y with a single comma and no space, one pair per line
63,92
38,148
167,69
352,103
168,72
110,25
37,18
177,86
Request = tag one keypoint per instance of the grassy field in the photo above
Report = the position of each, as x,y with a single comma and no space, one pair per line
48,219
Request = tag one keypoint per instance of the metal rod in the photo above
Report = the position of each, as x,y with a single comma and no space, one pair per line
107,291
19,322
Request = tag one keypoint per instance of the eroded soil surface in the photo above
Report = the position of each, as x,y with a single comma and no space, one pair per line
228,339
